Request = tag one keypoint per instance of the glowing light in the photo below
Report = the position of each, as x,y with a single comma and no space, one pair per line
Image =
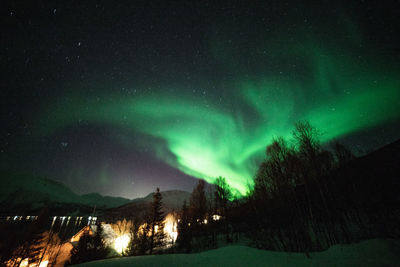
52,224
170,228
216,217
25,263
121,243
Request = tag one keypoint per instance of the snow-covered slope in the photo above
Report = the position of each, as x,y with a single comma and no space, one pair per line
18,189
374,252
170,198
172,201
107,201
24,190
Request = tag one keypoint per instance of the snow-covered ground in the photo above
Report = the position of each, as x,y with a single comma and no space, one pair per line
375,252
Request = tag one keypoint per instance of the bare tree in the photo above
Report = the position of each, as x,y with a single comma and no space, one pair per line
222,197
198,203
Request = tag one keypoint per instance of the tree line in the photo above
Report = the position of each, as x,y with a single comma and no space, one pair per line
306,197
145,232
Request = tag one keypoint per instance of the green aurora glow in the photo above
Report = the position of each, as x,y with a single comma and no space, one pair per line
226,137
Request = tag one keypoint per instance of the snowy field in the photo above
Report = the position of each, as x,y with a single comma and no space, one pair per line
373,252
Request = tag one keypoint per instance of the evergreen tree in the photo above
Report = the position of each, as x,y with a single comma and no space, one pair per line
198,203
184,234
198,212
80,253
144,238
135,237
157,222
100,250
90,247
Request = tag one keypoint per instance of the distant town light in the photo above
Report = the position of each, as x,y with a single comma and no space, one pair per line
216,217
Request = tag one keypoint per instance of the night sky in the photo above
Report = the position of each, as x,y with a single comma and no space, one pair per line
121,97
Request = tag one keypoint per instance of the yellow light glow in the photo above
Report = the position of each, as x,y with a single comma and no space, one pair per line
121,243
25,263
216,217
44,264
170,227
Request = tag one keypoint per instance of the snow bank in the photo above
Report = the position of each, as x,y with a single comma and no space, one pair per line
375,252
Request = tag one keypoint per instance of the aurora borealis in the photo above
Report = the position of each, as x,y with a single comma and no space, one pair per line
203,97
210,139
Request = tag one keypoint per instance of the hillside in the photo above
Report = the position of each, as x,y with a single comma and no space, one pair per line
172,201
375,176
33,192
106,201
22,192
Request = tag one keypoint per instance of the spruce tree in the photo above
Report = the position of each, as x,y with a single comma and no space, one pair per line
184,233
90,247
157,222
198,203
